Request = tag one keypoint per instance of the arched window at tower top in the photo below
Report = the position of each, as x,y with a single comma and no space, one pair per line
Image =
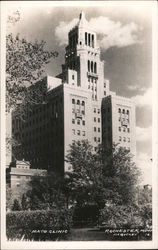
95,67
88,66
92,67
89,39
86,38
93,41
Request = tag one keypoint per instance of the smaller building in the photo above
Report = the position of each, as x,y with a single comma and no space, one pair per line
118,122
20,175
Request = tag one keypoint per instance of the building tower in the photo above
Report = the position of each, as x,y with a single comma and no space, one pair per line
79,106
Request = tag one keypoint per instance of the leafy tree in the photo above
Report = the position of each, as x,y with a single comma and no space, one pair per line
102,176
121,174
9,198
16,205
45,192
85,179
25,63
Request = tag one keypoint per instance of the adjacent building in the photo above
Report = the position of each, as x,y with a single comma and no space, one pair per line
75,105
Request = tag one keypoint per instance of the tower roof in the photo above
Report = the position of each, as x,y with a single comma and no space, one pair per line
82,21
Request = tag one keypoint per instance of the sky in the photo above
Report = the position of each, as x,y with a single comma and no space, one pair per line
125,37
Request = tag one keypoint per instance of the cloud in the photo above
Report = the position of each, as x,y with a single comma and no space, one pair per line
145,99
145,165
110,33
136,88
143,134
61,31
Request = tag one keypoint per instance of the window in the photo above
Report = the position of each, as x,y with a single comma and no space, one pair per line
124,139
104,92
78,122
73,131
78,102
73,77
83,122
83,112
123,111
119,110
88,66
73,101
98,139
73,121
78,132
86,38
104,84
95,119
120,138
127,112
92,67
88,86
98,129
108,110
93,41
98,111
95,138
94,110
124,129
95,129
98,119
83,133
128,130
83,103
119,119
95,67
119,128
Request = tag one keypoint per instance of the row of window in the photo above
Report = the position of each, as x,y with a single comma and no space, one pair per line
92,88
78,111
92,66
97,139
124,139
124,129
78,132
123,119
89,39
78,122
95,119
94,97
92,79
78,102
123,111
95,129
96,110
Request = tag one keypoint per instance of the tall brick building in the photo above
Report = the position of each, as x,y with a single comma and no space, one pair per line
79,106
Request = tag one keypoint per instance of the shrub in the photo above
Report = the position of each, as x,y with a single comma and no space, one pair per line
22,223
125,217
16,205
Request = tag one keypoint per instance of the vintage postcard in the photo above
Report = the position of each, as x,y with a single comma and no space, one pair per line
79,125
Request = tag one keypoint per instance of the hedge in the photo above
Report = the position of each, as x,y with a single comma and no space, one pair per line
20,223
126,216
